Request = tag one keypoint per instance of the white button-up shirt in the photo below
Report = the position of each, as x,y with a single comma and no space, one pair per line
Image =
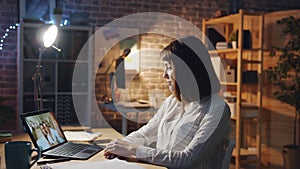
189,137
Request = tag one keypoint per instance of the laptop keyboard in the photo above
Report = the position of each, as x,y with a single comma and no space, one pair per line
69,149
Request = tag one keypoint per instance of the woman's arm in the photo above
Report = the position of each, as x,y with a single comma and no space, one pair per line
211,133
147,135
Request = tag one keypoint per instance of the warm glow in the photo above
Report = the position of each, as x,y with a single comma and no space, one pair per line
50,36
132,61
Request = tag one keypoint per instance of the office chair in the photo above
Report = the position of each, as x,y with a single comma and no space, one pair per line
229,146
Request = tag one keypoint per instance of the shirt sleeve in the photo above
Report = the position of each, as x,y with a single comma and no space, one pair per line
203,146
147,135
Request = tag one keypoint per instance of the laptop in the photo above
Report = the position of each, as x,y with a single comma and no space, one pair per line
47,135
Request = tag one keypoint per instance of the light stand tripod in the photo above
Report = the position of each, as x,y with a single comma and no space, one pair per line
37,80
48,38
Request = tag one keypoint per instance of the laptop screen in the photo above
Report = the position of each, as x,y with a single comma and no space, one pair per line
43,129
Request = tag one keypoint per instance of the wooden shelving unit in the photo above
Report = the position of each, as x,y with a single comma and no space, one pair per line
248,96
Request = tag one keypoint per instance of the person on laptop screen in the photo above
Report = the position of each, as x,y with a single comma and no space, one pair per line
44,131
42,139
50,136
46,134
190,129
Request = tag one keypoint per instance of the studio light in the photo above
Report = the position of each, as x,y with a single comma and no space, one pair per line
46,36
50,36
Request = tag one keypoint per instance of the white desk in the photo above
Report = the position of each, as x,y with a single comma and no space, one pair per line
108,133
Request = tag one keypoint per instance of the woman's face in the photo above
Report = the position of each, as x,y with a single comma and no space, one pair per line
44,131
168,75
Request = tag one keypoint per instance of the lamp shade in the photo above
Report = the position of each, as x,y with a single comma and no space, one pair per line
50,35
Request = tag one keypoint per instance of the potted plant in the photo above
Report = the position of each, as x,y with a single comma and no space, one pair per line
57,11
232,39
286,75
57,15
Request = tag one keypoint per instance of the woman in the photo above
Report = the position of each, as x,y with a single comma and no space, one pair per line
42,140
52,135
190,128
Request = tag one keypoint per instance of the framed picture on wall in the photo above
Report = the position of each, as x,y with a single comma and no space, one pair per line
36,9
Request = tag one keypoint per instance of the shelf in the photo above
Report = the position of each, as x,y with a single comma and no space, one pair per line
248,111
229,19
223,20
73,93
230,50
244,118
251,62
44,100
248,106
244,152
247,63
44,93
56,60
57,86
229,83
223,51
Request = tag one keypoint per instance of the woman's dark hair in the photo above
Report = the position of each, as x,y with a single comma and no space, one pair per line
194,75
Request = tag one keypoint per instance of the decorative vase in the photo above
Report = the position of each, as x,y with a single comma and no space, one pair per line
233,43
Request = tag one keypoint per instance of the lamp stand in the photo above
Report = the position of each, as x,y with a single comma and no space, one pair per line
117,61
37,80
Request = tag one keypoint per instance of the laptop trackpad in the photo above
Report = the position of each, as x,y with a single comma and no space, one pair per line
88,151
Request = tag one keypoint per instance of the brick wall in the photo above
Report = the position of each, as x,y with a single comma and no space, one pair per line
8,59
102,12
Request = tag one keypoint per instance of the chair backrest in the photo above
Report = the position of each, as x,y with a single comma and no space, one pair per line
229,146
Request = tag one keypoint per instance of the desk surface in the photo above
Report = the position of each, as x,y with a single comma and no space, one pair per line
126,107
108,133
